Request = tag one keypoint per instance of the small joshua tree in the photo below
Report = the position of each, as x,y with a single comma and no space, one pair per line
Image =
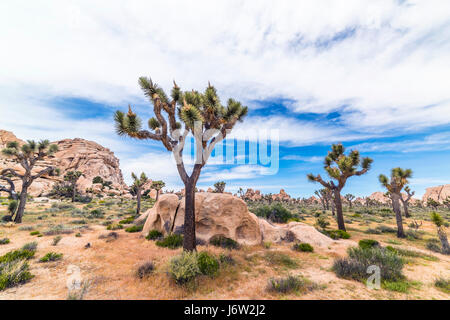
219,186
341,167
432,203
405,201
446,202
201,114
72,177
439,222
27,156
138,183
349,197
158,185
394,185
319,194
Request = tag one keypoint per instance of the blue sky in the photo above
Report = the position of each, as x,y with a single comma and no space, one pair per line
373,75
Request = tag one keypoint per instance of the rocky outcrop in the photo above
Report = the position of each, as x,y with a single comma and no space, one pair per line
282,196
379,197
78,154
252,195
216,214
439,193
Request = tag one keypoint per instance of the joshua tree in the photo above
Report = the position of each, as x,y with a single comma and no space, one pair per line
446,202
241,192
319,194
158,185
202,114
432,203
439,222
138,183
405,201
219,186
72,177
11,189
399,178
341,167
27,155
349,197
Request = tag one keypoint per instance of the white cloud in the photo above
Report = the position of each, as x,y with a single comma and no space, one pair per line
302,158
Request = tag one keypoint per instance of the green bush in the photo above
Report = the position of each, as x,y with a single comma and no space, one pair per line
145,269
355,265
291,284
207,264
51,256
114,226
127,220
303,247
338,234
4,241
34,233
224,242
134,228
171,241
372,231
56,240
13,273
276,213
21,254
368,243
280,259
386,229
434,245
154,235
184,267
30,246
443,284
96,213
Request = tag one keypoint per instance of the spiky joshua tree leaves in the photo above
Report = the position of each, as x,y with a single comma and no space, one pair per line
138,183
27,156
339,168
199,113
394,185
72,177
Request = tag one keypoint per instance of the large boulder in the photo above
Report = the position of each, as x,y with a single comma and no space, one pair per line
439,193
216,214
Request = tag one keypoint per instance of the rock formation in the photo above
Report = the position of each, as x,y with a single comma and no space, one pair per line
439,193
282,196
252,195
78,154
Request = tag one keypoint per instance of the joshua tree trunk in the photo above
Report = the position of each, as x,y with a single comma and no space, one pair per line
398,214
444,242
157,195
189,242
138,199
333,207
405,209
74,191
339,214
22,203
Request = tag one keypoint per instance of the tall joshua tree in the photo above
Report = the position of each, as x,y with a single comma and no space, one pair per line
27,156
72,177
158,185
394,185
138,183
341,167
405,201
349,197
201,114
439,222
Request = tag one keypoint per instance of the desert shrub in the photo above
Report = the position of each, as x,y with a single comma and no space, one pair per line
13,273
276,213
224,242
26,228
184,267
51,256
96,213
413,234
114,226
207,264
290,284
322,222
303,247
109,236
399,285
368,243
355,265
4,241
226,259
443,284
34,233
386,229
267,244
127,220
145,269
78,222
434,245
134,228
58,229
338,234
78,235
154,235
56,240
372,231
30,246
280,259
171,241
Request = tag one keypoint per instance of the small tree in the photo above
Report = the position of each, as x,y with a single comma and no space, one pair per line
202,115
219,186
405,201
27,156
446,202
432,203
97,179
341,167
158,185
439,222
349,197
394,185
138,183
321,197
72,177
